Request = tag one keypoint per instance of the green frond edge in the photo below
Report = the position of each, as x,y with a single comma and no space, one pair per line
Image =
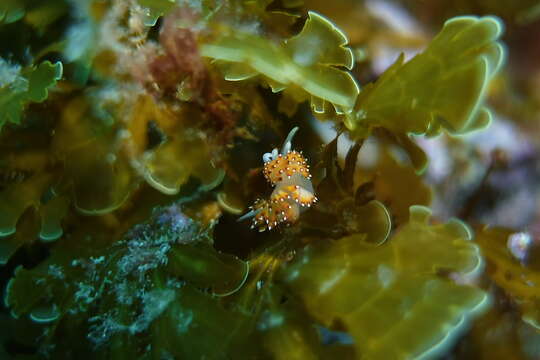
306,65
398,287
442,88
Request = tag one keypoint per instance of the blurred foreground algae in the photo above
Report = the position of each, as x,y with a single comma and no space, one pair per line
116,292
396,288
132,137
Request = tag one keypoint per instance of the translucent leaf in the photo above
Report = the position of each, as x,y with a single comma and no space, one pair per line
170,165
103,194
31,85
52,213
27,233
415,153
370,222
98,172
41,79
192,327
382,293
155,9
287,333
508,266
305,66
230,198
441,88
10,12
203,266
180,153
321,42
397,185
281,327
15,201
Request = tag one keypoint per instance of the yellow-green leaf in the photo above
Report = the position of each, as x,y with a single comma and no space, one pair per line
441,88
382,293
307,65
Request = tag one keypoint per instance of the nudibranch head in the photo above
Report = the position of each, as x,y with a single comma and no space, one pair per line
293,193
284,166
279,166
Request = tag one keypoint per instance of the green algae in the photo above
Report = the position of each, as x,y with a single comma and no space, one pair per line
414,97
52,213
398,186
305,66
441,88
10,12
153,270
397,287
18,200
187,280
28,231
24,86
86,148
170,165
155,9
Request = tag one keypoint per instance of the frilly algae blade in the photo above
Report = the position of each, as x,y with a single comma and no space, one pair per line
442,88
29,84
307,66
382,294
20,206
170,165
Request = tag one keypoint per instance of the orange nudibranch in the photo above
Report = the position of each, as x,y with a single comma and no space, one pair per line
293,192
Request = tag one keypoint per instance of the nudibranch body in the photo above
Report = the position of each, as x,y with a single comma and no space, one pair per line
293,192
284,166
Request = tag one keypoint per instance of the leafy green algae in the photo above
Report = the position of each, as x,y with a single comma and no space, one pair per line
87,147
397,185
441,88
17,199
398,287
305,66
155,115
18,87
155,9
143,284
10,11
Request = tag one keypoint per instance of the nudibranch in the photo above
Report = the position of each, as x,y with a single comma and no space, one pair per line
293,192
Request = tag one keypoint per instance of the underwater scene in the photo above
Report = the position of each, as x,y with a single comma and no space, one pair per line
270,179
